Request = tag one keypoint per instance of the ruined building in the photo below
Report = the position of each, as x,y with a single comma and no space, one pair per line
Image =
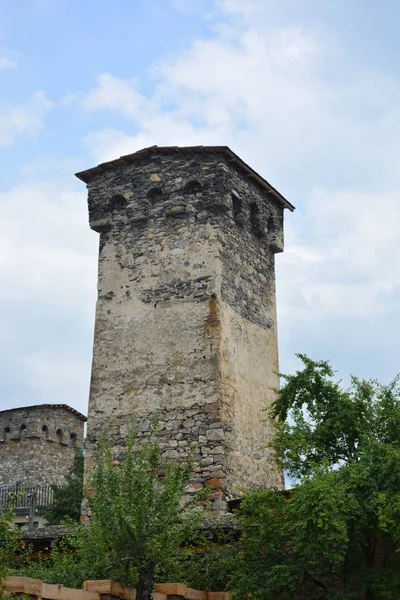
37,448
185,332
37,444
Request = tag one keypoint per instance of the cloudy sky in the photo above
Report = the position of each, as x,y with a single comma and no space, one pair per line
306,91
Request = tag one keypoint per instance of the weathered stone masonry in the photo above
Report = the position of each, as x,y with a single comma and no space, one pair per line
185,331
37,444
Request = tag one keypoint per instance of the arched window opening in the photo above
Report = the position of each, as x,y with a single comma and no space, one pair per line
6,431
117,202
255,218
73,439
45,430
22,429
59,434
237,209
154,195
192,187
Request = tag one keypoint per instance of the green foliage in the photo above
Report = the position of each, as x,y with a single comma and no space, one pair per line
62,566
338,529
320,423
67,499
137,516
138,520
206,563
209,568
10,543
334,535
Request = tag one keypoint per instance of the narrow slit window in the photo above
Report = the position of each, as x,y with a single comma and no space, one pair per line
271,225
237,209
255,218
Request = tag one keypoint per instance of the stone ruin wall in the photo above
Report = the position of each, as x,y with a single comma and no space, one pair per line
32,455
185,332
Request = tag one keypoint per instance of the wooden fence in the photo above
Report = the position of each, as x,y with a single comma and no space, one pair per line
103,589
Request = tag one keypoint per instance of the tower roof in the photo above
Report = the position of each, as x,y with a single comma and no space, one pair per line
49,406
224,151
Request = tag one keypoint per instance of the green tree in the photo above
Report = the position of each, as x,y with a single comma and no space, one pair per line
138,517
67,499
337,531
206,561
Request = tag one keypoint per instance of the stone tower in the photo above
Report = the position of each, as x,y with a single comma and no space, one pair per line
37,444
185,331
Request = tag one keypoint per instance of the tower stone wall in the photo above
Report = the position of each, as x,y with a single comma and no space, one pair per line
185,343
37,444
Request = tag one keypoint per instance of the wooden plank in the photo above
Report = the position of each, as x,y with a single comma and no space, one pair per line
58,592
92,589
107,586
117,589
192,594
23,585
126,593
12,584
171,589
102,586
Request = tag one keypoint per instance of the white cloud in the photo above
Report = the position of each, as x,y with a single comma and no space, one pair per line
24,119
116,94
7,63
214,93
330,144
68,375
48,266
243,8
350,268
189,6
8,58
46,251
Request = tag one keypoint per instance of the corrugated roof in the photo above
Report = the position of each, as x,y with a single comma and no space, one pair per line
64,406
231,157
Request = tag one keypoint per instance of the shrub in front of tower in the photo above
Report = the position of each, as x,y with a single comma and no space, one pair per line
11,549
138,520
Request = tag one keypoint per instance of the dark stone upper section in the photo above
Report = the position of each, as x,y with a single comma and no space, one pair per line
224,151
136,200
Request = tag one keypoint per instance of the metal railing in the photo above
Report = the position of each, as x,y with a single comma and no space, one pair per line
20,495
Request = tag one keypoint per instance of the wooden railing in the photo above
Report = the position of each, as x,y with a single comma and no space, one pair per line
21,496
103,589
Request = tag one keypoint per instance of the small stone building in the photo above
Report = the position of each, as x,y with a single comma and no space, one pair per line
186,333
37,444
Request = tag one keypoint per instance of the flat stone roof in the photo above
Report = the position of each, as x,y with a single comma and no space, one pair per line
225,151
